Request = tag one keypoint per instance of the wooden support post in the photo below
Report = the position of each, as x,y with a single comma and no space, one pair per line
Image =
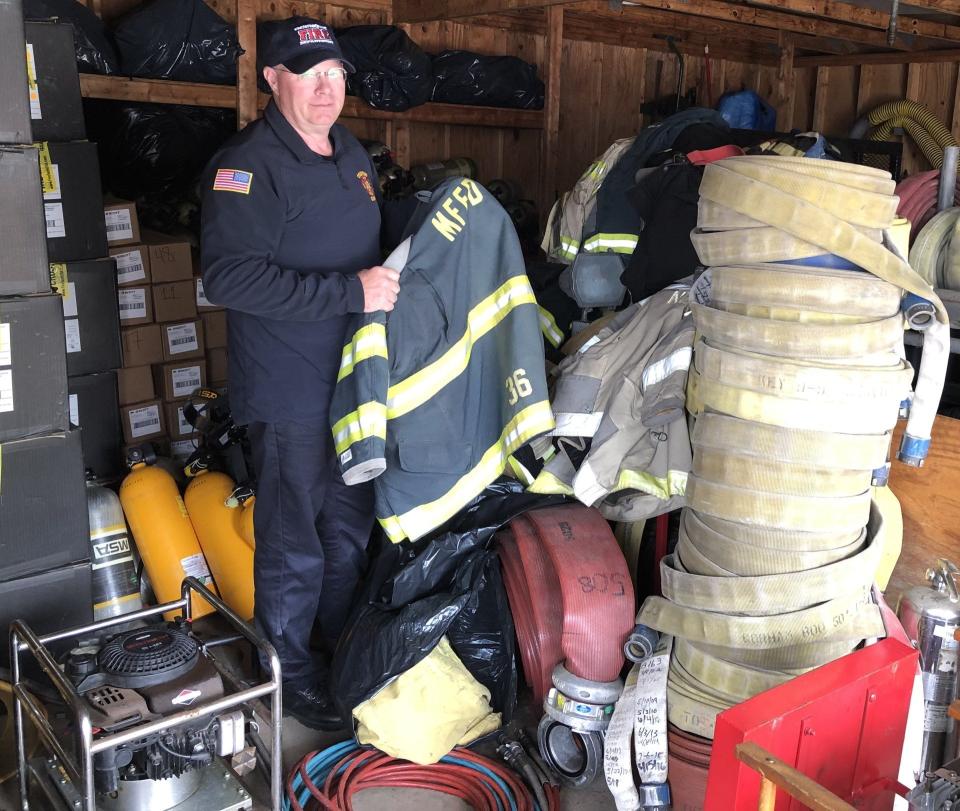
247,64
550,142
786,86
820,98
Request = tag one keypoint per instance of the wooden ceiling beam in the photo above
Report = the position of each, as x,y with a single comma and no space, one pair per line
941,6
895,58
414,11
869,17
764,18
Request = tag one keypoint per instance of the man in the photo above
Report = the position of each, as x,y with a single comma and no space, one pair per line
290,246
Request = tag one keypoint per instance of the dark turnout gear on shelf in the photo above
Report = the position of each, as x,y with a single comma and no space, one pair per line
434,396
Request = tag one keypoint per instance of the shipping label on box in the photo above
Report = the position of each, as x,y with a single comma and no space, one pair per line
135,305
182,339
181,449
6,390
6,353
56,222
74,411
203,303
144,421
71,332
132,266
119,224
185,380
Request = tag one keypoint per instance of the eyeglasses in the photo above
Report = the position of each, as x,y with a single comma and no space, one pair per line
333,74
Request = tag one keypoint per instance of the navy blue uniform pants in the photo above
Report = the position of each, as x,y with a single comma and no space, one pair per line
312,532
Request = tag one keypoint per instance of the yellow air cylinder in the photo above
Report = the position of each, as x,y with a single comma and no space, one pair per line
218,529
164,535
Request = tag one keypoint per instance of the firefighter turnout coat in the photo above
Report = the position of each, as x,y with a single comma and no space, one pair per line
433,397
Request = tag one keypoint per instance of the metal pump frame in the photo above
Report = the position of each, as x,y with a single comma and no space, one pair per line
23,639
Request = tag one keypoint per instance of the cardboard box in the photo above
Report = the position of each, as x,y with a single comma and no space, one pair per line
176,381
214,329
33,372
174,301
141,345
142,421
179,428
23,258
14,99
217,366
94,410
182,341
135,385
182,449
136,305
70,174
91,321
203,304
29,599
120,218
43,511
56,109
171,259
133,265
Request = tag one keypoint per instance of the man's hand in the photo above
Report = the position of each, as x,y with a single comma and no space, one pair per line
380,288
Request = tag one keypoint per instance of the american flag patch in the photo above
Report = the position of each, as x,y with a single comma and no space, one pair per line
233,180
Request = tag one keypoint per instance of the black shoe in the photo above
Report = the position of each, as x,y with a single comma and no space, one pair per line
312,707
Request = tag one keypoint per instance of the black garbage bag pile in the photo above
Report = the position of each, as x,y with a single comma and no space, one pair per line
184,40
91,41
392,71
462,77
447,584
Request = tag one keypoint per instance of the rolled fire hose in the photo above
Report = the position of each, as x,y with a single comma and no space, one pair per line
796,384
935,253
918,198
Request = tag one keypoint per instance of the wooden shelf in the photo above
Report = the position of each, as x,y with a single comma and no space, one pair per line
164,91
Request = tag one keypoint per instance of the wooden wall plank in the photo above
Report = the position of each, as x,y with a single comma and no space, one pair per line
840,113
786,85
623,69
579,110
805,80
879,84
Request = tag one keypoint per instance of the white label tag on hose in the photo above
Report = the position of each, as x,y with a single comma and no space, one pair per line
617,768
650,720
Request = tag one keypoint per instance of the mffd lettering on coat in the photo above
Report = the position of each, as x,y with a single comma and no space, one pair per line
465,196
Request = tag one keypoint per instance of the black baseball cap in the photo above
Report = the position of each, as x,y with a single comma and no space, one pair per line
297,43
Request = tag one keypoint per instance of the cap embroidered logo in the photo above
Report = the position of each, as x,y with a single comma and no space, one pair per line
313,33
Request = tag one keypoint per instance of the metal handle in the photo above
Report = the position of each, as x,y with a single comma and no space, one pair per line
944,579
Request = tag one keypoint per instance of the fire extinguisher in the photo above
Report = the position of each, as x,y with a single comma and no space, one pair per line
162,530
931,616
116,587
218,528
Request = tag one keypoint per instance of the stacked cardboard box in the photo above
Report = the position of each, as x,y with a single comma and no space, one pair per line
169,332
44,534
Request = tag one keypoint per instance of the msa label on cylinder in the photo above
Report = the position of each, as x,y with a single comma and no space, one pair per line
118,223
133,303
144,421
196,566
6,390
129,267
185,381
182,338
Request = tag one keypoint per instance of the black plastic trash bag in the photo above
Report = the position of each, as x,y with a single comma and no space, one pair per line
151,149
461,77
393,73
417,592
91,43
185,40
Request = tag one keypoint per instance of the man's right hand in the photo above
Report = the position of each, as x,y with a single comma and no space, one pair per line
380,288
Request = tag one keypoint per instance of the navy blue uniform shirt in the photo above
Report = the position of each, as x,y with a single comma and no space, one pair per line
285,232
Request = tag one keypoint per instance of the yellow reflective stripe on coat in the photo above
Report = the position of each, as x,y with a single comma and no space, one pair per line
673,484
521,474
548,326
548,483
527,424
369,420
415,390
617,243
367,342
569,246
